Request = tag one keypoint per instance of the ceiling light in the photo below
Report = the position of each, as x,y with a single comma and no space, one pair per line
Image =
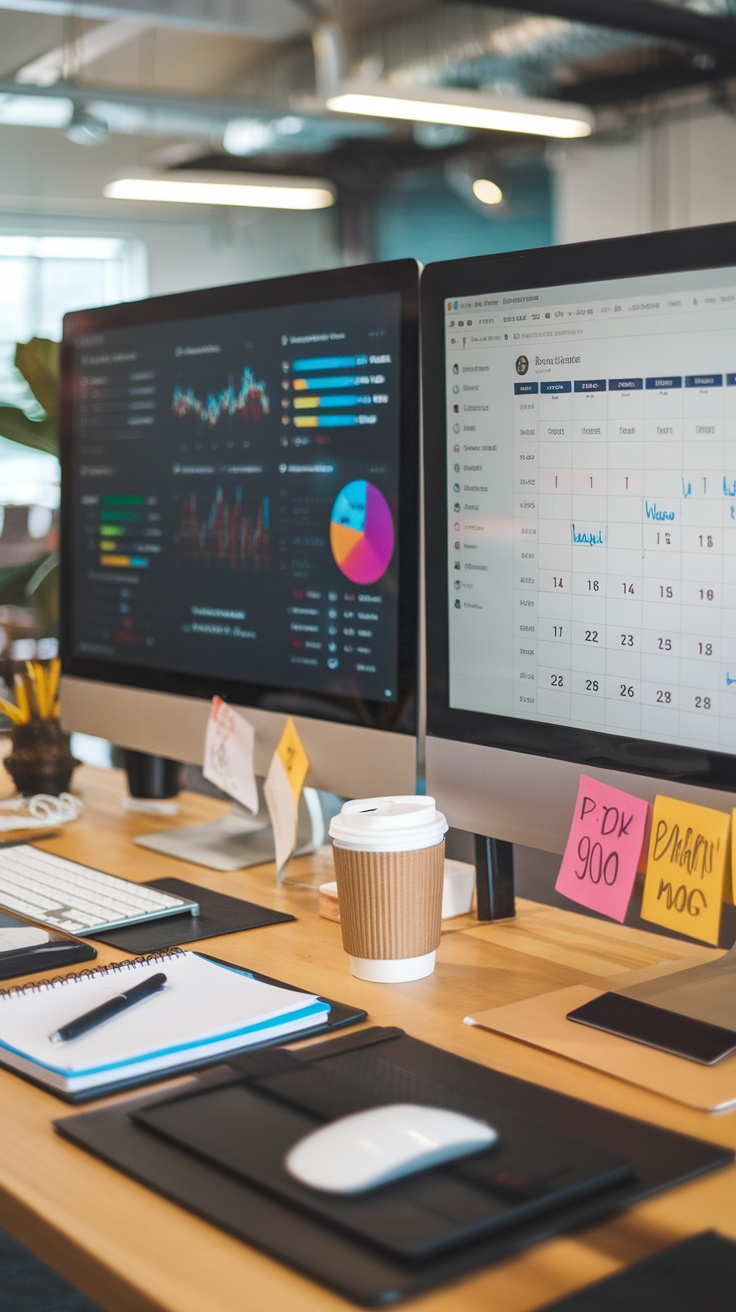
35,111
249,189
467,109
487,191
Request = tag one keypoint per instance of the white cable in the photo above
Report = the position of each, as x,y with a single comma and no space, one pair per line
39,811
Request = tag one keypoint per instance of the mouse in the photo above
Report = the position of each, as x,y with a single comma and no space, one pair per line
370,1148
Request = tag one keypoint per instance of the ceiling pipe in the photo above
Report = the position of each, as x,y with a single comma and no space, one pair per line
664,22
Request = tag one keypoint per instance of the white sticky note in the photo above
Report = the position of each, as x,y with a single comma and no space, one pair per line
228,754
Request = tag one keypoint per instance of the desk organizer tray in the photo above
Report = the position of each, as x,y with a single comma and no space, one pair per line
218,914
613,1161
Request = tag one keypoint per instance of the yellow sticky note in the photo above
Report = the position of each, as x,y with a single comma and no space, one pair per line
729,883
282,790
686,865
294,758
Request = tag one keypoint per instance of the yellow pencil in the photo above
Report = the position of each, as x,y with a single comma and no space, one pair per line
31,683
42,689
21,697
53,683
11,711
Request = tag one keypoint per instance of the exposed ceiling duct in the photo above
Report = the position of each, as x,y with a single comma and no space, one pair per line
264,19
286,56
464,45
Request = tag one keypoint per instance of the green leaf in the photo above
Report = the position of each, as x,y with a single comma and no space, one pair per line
40,434
42,591
34,585
15,580
38,361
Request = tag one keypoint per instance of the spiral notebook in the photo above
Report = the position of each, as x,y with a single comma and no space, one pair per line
207,1009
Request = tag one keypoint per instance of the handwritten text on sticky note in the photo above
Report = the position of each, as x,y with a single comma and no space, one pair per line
603,847
683,888
228,754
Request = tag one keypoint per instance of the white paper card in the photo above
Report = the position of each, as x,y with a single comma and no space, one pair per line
228,754
283,810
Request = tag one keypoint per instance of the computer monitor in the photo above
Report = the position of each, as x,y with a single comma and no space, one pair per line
580,473
240,518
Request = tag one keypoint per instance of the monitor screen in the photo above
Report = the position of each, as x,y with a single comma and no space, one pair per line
240,506
581,460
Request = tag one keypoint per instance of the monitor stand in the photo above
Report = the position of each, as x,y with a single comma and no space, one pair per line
494,878
239,839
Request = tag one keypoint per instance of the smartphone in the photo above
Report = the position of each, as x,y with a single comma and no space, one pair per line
656,1027
25,948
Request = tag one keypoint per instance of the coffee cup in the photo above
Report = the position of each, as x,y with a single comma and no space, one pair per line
389,857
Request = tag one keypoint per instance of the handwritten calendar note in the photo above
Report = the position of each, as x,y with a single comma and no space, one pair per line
686,866
603,848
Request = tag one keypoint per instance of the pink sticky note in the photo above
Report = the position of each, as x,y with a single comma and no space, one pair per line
603,848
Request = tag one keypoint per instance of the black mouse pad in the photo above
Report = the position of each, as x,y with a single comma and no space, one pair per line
528,1172
364,1272
698,1273
218,914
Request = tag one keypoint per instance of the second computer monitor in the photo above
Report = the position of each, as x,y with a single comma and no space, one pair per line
240,518
580,436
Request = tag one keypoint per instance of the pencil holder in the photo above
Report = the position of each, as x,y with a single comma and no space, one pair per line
40,760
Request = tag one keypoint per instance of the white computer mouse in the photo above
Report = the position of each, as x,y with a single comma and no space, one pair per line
371,1148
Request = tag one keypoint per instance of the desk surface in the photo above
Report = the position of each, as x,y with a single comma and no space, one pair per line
135,1252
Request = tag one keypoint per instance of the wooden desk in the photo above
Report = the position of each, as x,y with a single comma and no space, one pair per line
134,1252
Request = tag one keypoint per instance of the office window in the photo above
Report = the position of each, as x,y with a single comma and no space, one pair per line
41,278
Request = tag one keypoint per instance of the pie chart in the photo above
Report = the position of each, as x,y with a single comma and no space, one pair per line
361,532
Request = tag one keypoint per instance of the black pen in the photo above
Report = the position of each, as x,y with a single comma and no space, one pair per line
29,838
99,1015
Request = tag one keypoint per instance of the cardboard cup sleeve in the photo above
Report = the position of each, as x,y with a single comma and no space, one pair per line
390,902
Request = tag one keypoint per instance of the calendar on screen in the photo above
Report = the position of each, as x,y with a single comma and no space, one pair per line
592,506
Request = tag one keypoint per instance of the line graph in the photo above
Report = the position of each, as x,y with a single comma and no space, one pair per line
247,399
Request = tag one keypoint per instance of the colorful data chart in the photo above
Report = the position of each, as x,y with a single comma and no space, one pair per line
361,532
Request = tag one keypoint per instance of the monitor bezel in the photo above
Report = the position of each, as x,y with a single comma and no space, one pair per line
675,251
400,277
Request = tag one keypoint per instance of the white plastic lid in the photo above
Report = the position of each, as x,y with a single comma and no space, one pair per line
388,824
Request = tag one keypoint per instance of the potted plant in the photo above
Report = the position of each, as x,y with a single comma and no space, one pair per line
35,584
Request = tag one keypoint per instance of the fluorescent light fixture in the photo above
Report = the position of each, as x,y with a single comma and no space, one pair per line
489,192
28,111
465,109
260,190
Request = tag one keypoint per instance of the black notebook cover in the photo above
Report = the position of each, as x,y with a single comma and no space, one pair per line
392,1061
696,1275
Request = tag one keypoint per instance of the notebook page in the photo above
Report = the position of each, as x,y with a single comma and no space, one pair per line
203,1003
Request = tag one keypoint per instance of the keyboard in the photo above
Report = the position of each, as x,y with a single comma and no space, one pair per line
76,898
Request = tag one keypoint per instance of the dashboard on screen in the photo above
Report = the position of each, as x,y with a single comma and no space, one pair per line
582,456
239,468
